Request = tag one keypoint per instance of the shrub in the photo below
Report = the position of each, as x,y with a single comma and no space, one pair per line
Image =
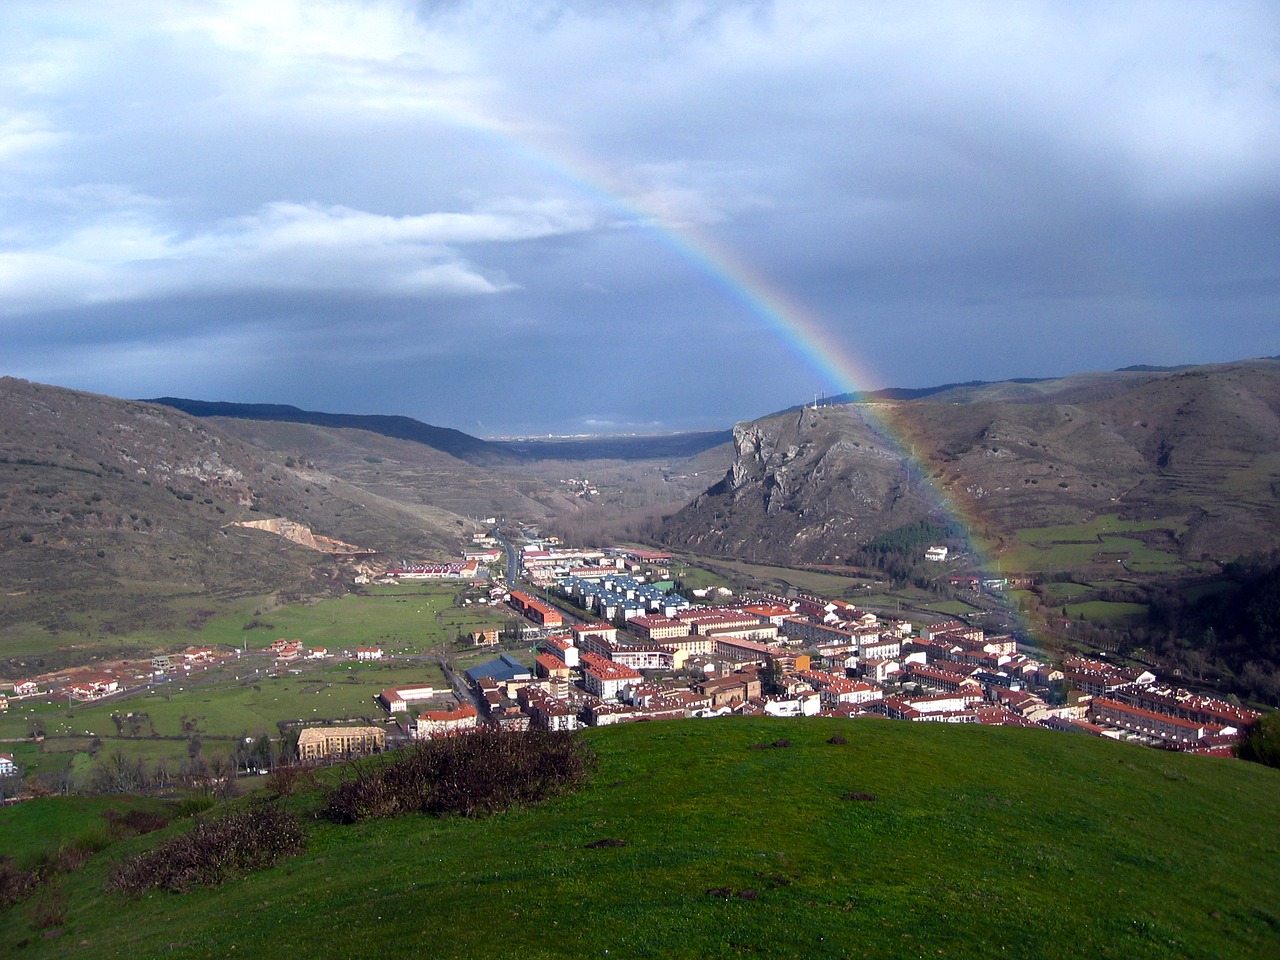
470,775
133,822
15,883
215,850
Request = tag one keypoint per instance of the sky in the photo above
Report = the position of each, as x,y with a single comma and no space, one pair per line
519,217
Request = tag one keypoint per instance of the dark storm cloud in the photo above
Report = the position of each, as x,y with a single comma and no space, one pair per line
497,215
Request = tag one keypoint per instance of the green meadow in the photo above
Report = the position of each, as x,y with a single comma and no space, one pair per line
413,618
1097,545
220,712
909,840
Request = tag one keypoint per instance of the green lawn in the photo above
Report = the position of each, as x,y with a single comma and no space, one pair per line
978,842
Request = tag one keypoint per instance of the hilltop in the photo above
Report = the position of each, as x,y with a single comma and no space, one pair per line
909,840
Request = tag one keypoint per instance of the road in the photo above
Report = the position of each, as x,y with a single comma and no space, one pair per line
513,561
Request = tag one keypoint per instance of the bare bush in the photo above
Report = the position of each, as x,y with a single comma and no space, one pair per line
471,775
215,850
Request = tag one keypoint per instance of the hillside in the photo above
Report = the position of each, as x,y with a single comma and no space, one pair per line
1197,449
116,516
909,840
401,470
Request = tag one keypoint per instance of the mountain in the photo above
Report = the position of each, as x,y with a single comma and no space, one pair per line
1198,448
450,441
461,445
118,515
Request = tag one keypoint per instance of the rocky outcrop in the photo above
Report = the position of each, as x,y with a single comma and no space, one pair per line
806,486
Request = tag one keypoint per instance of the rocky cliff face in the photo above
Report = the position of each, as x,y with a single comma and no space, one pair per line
808,485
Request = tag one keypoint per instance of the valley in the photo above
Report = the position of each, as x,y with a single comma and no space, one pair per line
186,597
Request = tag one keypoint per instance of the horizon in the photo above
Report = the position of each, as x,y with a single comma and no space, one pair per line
820,399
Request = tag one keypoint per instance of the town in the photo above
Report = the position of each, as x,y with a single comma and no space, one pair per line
593,637
617,644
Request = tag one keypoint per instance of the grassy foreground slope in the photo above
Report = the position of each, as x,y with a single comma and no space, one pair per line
978,843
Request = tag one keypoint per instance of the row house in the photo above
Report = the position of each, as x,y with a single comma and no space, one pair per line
1098,678
839,657
604,678
1148,723
92,686
653,629
882,648
950,631
537,611
742,652
706,619
815,634
368,653
837,689
1020,702
759,633
935,678
648,657
921,710
542,559
692,645
1186,705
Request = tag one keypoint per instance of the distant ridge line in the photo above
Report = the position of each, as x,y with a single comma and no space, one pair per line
463,445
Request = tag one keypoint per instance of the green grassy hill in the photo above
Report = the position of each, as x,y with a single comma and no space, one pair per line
979,842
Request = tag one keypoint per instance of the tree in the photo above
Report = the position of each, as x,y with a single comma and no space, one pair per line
116,773
771,677
1262,744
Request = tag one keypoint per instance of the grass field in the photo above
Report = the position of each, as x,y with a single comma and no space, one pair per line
220,711
1098,543
1059,592
977,842
412,618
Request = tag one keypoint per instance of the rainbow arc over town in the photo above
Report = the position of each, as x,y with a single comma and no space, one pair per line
801,333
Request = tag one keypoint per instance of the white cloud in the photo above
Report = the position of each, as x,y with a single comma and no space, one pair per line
283,246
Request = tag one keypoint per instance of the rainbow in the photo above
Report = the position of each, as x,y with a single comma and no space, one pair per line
795,327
